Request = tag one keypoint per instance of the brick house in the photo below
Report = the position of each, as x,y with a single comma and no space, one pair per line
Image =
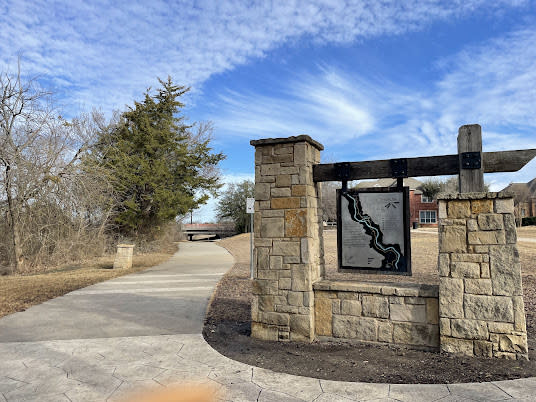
423,210
524,199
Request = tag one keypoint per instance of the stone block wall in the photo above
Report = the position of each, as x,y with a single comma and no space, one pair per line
288,238
401,314
123,256
481,306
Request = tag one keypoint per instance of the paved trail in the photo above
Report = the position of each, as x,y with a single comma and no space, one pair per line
144,330
168,299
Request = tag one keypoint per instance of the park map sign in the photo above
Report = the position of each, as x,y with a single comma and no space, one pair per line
373,230
372,234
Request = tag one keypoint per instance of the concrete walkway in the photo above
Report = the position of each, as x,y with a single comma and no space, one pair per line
143,330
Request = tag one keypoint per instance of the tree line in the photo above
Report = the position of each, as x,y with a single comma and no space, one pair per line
69,188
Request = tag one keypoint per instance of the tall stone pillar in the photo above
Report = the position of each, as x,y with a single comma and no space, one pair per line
481,306
288,238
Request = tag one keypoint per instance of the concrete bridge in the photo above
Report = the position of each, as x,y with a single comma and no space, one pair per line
218,230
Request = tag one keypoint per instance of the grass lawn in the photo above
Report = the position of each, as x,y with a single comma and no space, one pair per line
527,231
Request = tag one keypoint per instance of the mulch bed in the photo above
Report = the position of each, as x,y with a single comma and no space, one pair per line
227,329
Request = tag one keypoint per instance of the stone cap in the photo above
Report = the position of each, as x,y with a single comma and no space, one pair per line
287,140
385,288
475,196
125,245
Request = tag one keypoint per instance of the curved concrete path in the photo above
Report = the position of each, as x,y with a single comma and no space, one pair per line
144,330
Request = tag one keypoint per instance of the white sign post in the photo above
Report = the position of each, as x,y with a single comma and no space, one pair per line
250,209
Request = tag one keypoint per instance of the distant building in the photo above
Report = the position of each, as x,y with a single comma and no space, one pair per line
423,210
524,199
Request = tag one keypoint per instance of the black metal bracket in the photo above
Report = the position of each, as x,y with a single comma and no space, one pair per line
399,167
471,160
342,171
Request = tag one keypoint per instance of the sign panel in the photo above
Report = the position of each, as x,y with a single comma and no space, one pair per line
373,230
250,205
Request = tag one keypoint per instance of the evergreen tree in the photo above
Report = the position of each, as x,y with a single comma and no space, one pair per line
232,204
162,168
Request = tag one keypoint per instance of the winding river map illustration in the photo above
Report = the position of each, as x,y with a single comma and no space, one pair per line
372,232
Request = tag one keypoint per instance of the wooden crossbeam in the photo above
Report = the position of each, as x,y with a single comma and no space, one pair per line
507,161
492,162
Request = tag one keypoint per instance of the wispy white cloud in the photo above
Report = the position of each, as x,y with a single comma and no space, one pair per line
336,107
319,106
102,53
492,83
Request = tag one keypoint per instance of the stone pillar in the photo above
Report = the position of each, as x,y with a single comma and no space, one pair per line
481,306
288,238
123,257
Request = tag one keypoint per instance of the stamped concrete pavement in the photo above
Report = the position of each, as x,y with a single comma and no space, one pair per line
144,330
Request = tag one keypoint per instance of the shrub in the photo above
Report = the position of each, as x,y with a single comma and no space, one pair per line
531,220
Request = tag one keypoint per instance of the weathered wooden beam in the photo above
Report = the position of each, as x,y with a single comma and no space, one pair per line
507,161
503,161
423,166
471,180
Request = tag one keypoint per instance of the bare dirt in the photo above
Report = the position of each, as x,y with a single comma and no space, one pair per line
227,328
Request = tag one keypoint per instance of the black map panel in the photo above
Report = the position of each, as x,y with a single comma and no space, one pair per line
373,230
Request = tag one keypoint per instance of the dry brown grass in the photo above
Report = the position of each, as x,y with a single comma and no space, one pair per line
424,252
232,297
527,257
18,292
238,246
527,231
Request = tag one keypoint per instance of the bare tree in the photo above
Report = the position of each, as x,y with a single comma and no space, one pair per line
22,120
329,200
39,162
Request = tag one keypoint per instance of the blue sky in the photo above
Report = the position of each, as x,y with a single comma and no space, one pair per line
368,79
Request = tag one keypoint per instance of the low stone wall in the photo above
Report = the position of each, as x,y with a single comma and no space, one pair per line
400,314
481,297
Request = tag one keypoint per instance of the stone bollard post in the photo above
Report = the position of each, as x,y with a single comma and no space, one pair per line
288,238
123,257
481,306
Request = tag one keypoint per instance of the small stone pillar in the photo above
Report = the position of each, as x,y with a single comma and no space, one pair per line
123,257
288,238
481,306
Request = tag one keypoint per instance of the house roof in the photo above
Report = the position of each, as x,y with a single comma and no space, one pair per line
532,187
522,191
